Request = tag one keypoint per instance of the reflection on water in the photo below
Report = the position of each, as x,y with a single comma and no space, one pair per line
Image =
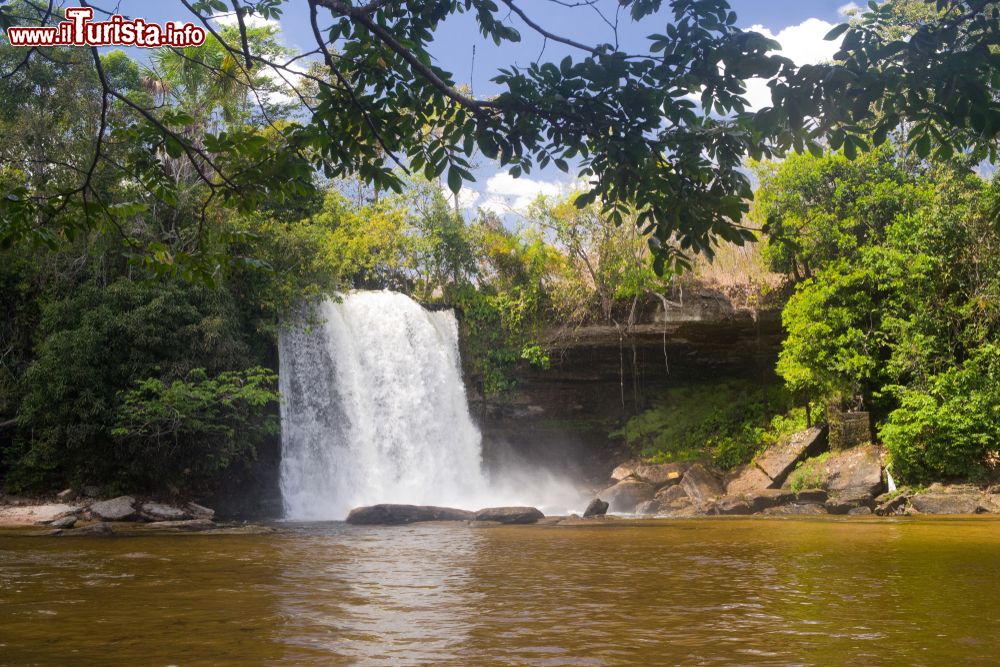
736,591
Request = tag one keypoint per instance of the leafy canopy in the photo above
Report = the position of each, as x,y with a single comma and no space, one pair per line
661,130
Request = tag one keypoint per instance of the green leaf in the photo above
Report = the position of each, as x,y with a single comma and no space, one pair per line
837,32
454,180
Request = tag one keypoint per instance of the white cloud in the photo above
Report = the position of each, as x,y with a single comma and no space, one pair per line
849,9
467,197
803,44
251,20
506,193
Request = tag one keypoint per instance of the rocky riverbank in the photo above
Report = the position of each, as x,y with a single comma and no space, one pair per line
799,476
72,513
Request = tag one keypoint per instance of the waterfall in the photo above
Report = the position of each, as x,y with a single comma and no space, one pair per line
374,409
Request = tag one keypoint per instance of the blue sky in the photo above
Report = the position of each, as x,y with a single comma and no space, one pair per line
799,25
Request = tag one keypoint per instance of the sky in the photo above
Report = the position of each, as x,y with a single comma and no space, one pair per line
799,25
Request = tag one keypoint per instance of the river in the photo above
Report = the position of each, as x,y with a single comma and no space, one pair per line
710,591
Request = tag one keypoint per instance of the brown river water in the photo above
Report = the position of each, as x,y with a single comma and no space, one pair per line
824,591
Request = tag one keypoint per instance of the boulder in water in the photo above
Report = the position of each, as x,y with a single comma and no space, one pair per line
396,515
510,515
65,522
597,507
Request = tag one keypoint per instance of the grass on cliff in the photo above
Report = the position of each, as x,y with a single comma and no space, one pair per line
726,422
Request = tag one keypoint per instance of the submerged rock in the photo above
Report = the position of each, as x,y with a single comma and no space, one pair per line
187,525
101,529
597,507
121,508
625,496
796,509
510,515
394,515
65,522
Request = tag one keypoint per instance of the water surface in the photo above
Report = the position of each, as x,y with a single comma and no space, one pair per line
709,592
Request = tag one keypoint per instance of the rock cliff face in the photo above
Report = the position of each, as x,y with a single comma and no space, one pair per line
601,374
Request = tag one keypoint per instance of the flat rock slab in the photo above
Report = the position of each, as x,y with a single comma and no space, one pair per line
189,525
121,508
27,515
778,461
163,512
796,509
748,479
945,503
510,515
396,515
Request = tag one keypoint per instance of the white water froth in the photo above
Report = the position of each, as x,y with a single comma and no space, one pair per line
374,411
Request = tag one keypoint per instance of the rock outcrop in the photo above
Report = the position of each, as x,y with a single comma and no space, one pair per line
657,474
625,496
510,515
700,484
394,515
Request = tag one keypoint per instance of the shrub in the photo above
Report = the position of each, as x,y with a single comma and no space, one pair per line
184,433
808,474
949,428
728,422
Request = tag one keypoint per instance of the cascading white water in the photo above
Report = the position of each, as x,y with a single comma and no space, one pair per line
374,410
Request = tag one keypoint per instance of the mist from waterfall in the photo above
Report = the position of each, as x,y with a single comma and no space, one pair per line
374,411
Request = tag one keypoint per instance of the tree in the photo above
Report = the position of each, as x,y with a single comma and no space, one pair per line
624,119
817,209
906,325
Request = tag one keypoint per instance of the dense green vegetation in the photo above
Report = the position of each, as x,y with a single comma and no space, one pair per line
898,306
159,219
729,422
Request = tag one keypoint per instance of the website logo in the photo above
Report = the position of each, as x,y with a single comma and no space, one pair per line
79,29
